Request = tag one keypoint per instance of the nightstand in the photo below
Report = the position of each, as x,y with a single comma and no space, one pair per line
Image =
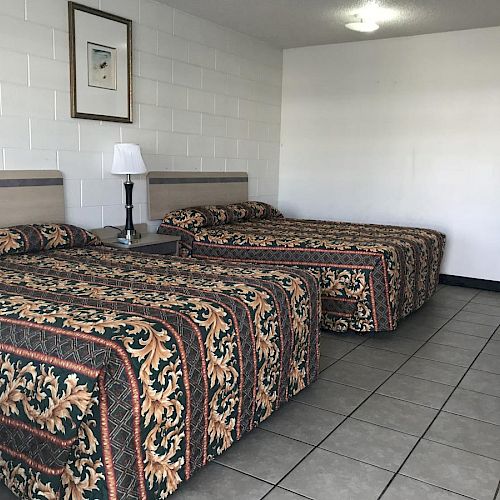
152,243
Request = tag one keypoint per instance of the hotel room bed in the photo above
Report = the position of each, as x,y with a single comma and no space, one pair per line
371,276
123,373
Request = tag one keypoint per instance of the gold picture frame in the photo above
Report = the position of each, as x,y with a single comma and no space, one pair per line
100,55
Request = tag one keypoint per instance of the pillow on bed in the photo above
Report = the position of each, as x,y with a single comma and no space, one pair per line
196,218
249,210
37,237
193,219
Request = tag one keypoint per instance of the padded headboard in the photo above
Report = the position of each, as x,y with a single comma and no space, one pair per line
174,190
31,197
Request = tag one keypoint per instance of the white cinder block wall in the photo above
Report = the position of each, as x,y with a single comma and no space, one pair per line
205,98
399,131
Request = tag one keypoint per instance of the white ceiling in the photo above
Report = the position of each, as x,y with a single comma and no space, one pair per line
298,23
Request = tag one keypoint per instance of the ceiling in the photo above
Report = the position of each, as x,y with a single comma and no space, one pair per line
298,23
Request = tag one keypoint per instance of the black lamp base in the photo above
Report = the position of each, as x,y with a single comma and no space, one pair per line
128,235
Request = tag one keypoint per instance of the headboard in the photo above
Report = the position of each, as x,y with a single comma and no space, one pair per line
174,190
31,197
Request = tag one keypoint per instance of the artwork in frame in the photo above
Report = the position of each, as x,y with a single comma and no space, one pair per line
100,47
101,66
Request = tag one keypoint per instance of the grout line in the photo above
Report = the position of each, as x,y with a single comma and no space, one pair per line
497,493
458,447
479,392
484,314
289,491
457,346
438,360
486,371
461,495
426,379
438,413
449,330
214,461
355,364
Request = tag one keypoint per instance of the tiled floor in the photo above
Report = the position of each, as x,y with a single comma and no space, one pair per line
410,416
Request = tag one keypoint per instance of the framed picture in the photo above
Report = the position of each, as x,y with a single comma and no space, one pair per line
100,46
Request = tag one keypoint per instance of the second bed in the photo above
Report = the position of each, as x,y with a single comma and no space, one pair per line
371,276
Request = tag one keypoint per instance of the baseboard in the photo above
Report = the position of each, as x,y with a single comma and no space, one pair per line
448,279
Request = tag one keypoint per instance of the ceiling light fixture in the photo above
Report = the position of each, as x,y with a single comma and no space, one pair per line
363,26
369,16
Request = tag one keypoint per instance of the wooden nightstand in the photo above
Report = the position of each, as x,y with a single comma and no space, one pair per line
152,243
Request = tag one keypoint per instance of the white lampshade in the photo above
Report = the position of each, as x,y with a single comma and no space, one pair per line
127,159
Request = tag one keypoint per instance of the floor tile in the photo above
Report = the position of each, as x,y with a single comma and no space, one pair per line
414,331
334,348
406,488
480,319
281,494
363,377
492,310
493,348
394,343
352,337
333,397
479,381
5,494
370,443
488,298
487,363
470,328
303,422
433,370
446,354
416,390
444,301
496,336
475,405
453,469
457,292
396,414
441,310
467,434
455,339
215,481
327,476
376,358
325,362
264,455
428,320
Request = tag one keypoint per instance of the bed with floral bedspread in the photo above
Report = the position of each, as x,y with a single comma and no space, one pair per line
121,374
371,276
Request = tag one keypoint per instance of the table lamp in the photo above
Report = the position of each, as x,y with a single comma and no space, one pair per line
127,160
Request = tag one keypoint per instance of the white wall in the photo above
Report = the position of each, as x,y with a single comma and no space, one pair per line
400,131
206,98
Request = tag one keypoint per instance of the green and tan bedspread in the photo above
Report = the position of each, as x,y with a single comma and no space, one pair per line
121,374
371,276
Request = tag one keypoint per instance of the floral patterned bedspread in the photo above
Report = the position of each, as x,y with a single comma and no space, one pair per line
371,276
121,374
